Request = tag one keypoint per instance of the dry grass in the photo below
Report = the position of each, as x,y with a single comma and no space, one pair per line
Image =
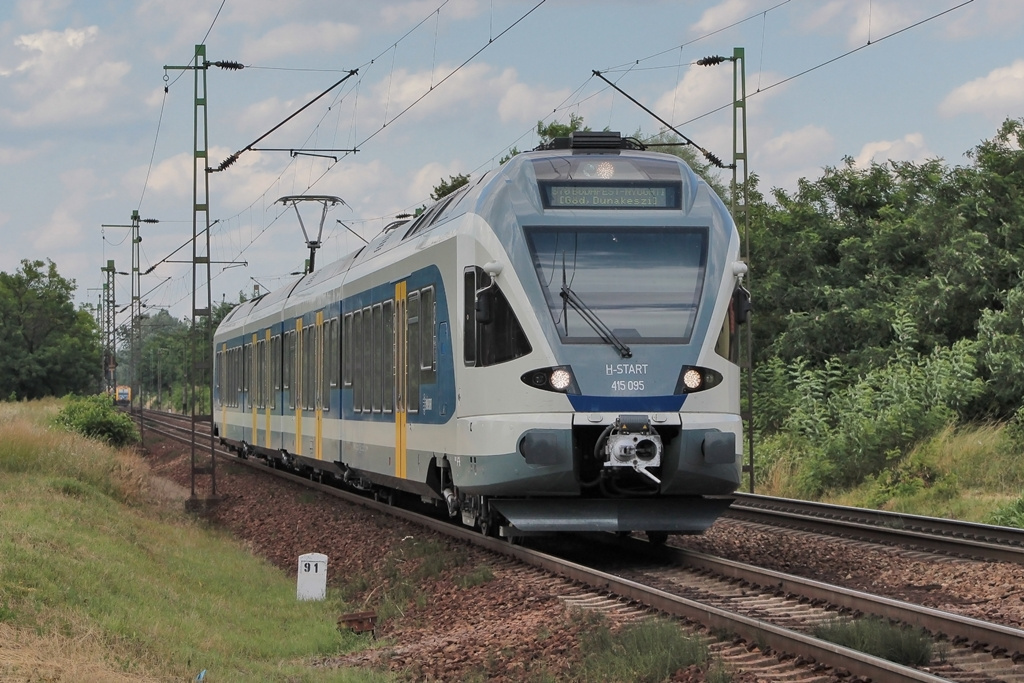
25,656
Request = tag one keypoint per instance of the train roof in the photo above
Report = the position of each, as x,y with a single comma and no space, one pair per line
482,196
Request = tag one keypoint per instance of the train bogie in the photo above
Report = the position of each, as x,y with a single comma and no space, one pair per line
548,348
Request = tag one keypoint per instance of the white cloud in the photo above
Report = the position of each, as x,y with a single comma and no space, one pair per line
985,20
795,147
721,15
823,15
522,102
910,147
875,20
999,94
860,21
294,38
429,176
64,231
41,12
64,78
10,156
473,85
700,90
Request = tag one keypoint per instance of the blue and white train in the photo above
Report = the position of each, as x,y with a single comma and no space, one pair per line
552,347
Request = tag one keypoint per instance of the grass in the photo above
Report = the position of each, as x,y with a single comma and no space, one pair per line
649,650
899,644
95,585
972,473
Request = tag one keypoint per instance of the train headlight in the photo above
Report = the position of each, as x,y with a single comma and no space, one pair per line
558,379
693,379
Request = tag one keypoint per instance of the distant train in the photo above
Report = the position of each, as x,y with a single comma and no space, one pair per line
549,348
123,395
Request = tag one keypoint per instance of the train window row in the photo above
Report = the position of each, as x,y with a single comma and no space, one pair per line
368,351
356,352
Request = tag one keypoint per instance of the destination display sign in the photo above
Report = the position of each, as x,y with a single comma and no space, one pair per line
609,196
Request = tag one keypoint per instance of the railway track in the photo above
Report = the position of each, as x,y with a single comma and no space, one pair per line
933,534
772,609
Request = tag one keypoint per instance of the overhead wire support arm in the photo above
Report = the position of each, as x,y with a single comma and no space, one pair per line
711,157
234,157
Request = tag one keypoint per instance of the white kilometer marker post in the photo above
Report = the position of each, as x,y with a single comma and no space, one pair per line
312,582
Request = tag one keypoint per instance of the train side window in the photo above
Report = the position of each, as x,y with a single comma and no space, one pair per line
366,363
489,323
412,403
355,377
218,389
309,359
389,356
346,350
332,352
428,337
258,373
288,367
246,371
377,350
275,368
268,382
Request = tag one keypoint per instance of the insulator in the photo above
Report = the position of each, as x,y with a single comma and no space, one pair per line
710,156
710,61
227,162
233,66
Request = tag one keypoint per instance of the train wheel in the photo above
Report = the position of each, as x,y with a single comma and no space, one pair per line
486,525
657,537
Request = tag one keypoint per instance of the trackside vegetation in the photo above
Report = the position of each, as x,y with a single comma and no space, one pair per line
97,584
888,324
97,418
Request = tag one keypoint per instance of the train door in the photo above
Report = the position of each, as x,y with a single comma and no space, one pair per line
401,366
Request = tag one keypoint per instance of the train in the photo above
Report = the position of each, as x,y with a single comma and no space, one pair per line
550,348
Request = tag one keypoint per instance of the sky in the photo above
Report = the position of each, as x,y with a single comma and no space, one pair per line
94,126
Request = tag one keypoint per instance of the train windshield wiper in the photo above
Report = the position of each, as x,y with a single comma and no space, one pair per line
572,298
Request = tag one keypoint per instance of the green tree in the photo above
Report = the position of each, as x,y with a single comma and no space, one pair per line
446,187
50,349
559,130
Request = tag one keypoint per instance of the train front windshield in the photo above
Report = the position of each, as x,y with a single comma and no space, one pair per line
642,283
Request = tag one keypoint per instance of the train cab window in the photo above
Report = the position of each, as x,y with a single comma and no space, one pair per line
491,331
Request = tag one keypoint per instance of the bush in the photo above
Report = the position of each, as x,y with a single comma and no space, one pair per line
1008,515
855,426
96,418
